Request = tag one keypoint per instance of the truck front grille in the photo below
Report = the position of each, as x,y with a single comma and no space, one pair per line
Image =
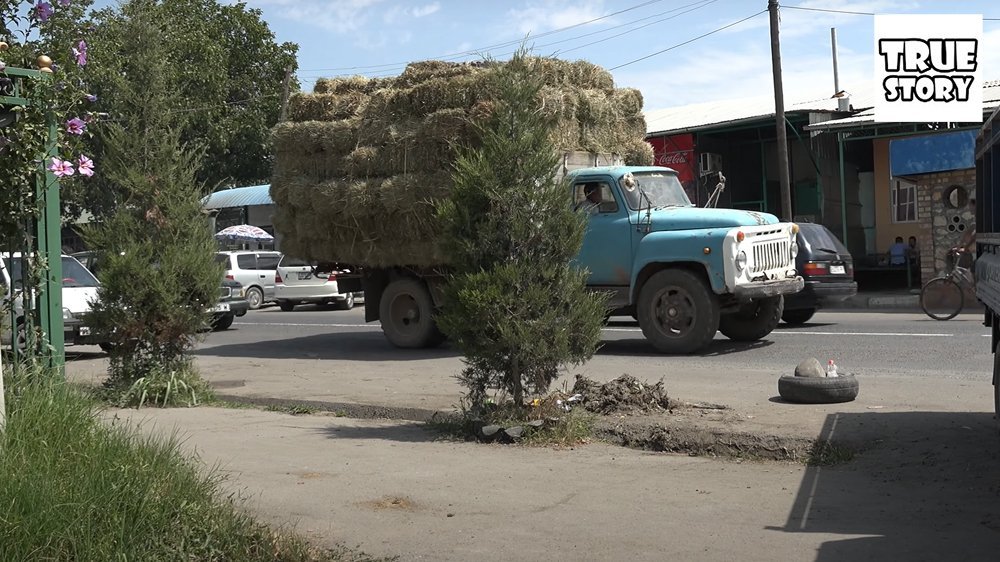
770,254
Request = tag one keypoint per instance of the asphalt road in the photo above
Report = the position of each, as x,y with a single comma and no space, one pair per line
869,343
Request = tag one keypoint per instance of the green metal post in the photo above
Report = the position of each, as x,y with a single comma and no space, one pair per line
50,249
843,190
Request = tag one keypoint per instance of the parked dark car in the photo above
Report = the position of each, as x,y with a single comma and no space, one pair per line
828,270
232,303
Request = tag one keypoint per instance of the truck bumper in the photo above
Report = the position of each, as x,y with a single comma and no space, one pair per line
764,289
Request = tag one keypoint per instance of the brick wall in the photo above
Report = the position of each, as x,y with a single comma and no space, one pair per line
941,227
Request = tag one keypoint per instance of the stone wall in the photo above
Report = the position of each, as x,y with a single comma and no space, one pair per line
941,225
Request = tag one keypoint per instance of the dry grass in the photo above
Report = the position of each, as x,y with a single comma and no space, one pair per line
362,162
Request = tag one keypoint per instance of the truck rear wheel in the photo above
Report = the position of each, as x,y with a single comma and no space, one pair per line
753,320
677,312
407,315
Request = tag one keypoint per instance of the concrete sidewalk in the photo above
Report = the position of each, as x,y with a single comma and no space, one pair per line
393,488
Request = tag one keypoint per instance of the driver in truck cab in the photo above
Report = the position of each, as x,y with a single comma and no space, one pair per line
592,203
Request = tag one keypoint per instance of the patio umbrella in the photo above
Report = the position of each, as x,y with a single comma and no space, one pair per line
244,232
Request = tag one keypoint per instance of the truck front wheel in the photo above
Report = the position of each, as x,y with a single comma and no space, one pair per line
677,312
407,315
753,320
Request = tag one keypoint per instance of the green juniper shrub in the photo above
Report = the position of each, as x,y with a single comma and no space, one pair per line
515,304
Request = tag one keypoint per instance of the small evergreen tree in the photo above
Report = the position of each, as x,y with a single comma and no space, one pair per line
158,274
515,305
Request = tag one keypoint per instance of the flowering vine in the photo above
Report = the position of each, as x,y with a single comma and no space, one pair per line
47,36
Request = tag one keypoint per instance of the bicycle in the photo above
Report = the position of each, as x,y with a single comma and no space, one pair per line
943,297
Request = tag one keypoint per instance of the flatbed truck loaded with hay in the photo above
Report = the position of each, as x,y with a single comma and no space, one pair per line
362,162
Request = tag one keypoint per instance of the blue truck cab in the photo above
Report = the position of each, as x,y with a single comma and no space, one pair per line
682,271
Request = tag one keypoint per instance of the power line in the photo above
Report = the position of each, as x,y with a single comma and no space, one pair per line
696,6
688,41
496,46
849,12
635,28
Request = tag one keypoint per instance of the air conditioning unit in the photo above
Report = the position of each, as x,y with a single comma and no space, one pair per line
709,163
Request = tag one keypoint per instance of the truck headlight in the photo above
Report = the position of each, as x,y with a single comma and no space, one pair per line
741,261
67,314
793,250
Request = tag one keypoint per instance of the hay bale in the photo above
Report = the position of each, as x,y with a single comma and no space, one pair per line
572,75
349,84
627,102
315,137
638,153
358,173
325,107
422,71
594,108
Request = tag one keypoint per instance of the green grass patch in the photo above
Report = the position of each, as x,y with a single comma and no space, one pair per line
293,409
182,387
73,487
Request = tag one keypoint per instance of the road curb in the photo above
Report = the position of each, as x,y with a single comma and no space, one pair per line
649,435
342,409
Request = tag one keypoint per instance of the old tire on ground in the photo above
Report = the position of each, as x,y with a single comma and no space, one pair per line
677,311
797,317
754,320
818,390
223,322
286,306
347,303
407,315
255,297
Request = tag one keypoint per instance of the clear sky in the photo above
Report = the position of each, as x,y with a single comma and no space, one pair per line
377,38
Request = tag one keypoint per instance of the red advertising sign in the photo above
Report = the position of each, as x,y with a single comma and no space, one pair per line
677,152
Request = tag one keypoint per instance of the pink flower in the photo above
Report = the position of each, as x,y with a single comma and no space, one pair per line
80,52
61,168
43,11
85,166
75,126
64,3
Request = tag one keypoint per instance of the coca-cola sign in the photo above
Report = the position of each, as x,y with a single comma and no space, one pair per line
677,152
671,159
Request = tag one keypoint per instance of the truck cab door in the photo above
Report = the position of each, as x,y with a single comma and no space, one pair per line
607,242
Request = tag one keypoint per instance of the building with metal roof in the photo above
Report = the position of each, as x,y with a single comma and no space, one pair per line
239,197
242,205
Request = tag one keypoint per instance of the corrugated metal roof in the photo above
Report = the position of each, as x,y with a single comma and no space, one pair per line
699,116
239,197
991,100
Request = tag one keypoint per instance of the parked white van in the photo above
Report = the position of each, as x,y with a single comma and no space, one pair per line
79,289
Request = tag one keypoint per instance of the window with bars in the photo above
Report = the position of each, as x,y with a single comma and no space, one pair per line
904,201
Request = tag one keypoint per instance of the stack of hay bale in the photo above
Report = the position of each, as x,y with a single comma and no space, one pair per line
361,162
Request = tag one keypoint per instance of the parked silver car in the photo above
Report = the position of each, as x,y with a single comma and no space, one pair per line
254,270
298,281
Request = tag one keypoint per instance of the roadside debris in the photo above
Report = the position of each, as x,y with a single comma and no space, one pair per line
624,395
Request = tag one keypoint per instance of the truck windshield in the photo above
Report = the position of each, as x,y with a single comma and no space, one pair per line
663,190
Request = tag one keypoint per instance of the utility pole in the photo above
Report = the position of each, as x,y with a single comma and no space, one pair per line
284,93
779,110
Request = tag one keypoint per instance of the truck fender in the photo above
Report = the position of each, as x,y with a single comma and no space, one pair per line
681,248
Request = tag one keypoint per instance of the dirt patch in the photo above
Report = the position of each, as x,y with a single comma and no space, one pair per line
674,436
624,395
395,503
